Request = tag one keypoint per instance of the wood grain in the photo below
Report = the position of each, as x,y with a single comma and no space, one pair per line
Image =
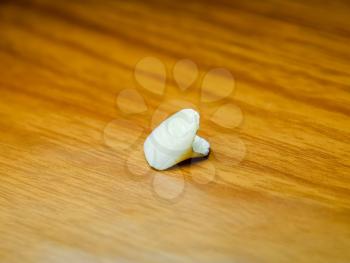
68,196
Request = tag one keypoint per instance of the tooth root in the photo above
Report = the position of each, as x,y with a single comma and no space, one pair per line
175,140
200,147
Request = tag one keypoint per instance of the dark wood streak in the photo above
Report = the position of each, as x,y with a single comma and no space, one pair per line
217,49
285,17
244,76
168,6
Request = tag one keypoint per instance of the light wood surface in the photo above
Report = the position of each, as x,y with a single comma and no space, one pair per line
276,188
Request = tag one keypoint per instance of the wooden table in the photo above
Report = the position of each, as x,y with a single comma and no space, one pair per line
82,83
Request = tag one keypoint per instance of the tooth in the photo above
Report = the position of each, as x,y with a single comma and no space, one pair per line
175,140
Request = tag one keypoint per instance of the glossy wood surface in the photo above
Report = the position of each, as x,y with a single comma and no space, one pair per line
74,185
